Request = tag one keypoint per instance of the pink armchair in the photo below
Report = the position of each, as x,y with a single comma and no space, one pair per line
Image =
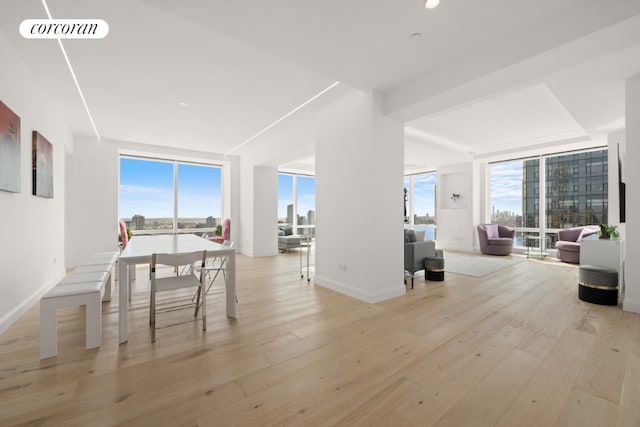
123,234
226,232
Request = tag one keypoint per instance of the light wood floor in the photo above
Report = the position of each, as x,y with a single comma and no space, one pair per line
513,348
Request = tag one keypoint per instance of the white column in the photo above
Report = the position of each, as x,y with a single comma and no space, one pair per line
359,199
256,233
265,211
631,175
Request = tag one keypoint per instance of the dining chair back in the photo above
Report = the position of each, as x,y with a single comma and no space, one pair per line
215,266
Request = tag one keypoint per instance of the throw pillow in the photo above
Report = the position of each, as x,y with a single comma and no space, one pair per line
492,231
409,236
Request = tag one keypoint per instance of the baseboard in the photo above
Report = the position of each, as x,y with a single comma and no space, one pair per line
264,254
631,305
357,293
12,316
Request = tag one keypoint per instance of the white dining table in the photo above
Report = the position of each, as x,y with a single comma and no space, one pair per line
139,251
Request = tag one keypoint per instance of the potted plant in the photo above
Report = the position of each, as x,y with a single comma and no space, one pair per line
608,232
129,235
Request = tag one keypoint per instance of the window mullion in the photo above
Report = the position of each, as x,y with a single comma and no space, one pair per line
295,205
175,197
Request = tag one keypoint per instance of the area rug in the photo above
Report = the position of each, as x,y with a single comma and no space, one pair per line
477,265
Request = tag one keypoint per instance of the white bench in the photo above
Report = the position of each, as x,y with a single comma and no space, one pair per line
87,285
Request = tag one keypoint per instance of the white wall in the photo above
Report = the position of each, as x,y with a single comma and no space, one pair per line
455,222
631,175
265,212
359,175
93,199
32,252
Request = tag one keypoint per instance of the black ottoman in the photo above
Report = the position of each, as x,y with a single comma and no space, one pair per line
598,285
434,268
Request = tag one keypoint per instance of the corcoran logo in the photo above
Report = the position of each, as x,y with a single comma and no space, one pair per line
64,28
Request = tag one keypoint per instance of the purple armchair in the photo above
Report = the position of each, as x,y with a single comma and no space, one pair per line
568,244
495,239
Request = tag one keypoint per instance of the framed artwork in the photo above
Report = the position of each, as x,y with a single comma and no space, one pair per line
42,161
9,150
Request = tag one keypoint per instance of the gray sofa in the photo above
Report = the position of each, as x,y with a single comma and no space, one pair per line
416,251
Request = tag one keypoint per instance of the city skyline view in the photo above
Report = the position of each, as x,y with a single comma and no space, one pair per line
424,186
305,197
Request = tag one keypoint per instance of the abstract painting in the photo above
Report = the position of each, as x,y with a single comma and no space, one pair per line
42,166
9,150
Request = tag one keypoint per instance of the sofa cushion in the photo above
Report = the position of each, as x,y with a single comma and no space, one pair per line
568,246
492,231
501,241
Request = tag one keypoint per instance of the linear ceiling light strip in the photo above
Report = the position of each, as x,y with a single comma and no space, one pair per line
284,117
73,74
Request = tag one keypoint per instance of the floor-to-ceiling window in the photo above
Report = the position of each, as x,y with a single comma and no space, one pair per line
296,204
168,196
577,189
306,204
420,202
575,193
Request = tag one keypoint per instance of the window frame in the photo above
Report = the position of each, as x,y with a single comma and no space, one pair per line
175,162
541,200
308,228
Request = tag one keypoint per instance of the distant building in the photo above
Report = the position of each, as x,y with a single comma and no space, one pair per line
211,222
576,193
137,222
290,214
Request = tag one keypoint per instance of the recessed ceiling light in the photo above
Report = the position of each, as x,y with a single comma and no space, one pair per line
430,4
183,104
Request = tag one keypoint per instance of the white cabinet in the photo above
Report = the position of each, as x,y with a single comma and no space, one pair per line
607,253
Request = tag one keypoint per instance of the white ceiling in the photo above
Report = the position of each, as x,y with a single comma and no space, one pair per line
484,78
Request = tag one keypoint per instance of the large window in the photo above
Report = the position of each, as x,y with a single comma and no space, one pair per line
306,204
575,193
159,195
577,189
420,202
296,204
507,192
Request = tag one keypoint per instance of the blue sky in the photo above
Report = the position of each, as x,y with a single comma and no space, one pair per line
506,186
306,194
146,188
424,193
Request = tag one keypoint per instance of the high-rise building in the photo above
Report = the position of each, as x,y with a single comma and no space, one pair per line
290,214
576,190
138,222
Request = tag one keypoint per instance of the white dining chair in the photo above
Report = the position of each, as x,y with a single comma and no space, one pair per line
179,278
